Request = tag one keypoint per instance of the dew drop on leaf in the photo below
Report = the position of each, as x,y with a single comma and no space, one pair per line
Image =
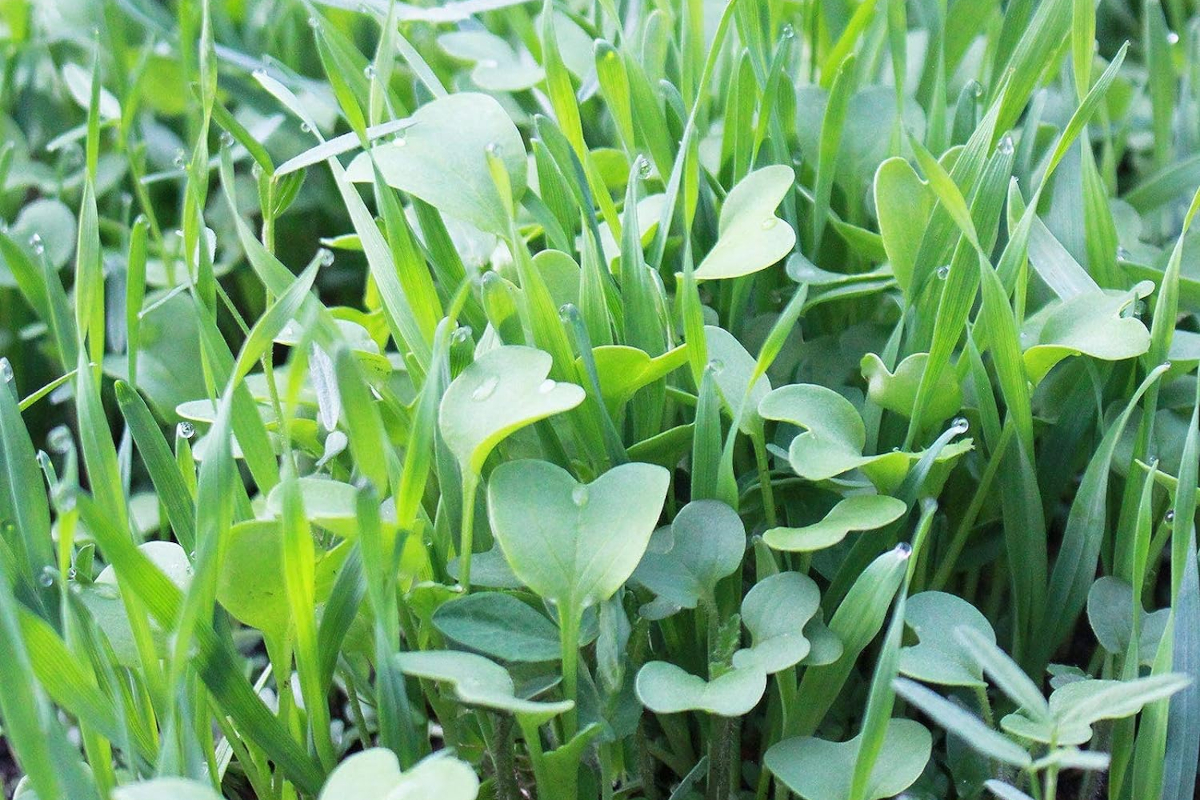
961,425
1169,517
547,386
185,430
1005,145
325,256
903,551
486,389
943,272
579,496
36,243
716,365
370,72
47,577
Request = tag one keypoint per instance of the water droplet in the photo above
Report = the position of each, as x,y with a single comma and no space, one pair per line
1122,254
977,89
72,574
769,223
1005,146
325,256
60,440
313,22
185,430
643,167
961,425
547,386
1153,462
462,333
399,141
259,74
47,577
6,370
227,139
305,127
256,170
493,149
1172,37
1169,517
716,365
486,389
180,159
579,495
370,72
788,32
36,243
943,272
903,551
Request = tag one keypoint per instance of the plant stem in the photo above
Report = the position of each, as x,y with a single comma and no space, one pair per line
569,621
470,484
764,478
719,757
502,758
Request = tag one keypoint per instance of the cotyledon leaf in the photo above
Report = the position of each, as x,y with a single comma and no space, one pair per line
1088,324
477,681
667,689
442,159
940,657
817,769
751,238
624,370
574,543
704,544
503,390
777,611
896,390
375,774
863,512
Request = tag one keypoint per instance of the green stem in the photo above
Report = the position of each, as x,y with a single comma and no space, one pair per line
719,758
764,478
470,484
569,622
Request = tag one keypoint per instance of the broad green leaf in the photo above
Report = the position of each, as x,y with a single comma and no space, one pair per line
817,769
777,611
375,774
176,788
940,656
477,681
574,543
624,370
1091,324
503,390
733,368
834,437
902,202
683,563
863,512
667,689
1110,612
498,68
751,238
442,159
500,626
896,390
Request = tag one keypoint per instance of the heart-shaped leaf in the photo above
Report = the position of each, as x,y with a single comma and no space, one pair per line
1091,324
704,544
666,689
777,611
903,204
250,584
499,625
442,159
573,543
860,512
502,391
941,657
897,391
834,437
751,238
331,505
732,368
375,774
817,769
623,370
477,681
158,788
498,68
1110,612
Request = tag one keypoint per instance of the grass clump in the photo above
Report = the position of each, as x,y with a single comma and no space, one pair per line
591,400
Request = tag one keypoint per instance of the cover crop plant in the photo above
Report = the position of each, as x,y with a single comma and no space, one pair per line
599,399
